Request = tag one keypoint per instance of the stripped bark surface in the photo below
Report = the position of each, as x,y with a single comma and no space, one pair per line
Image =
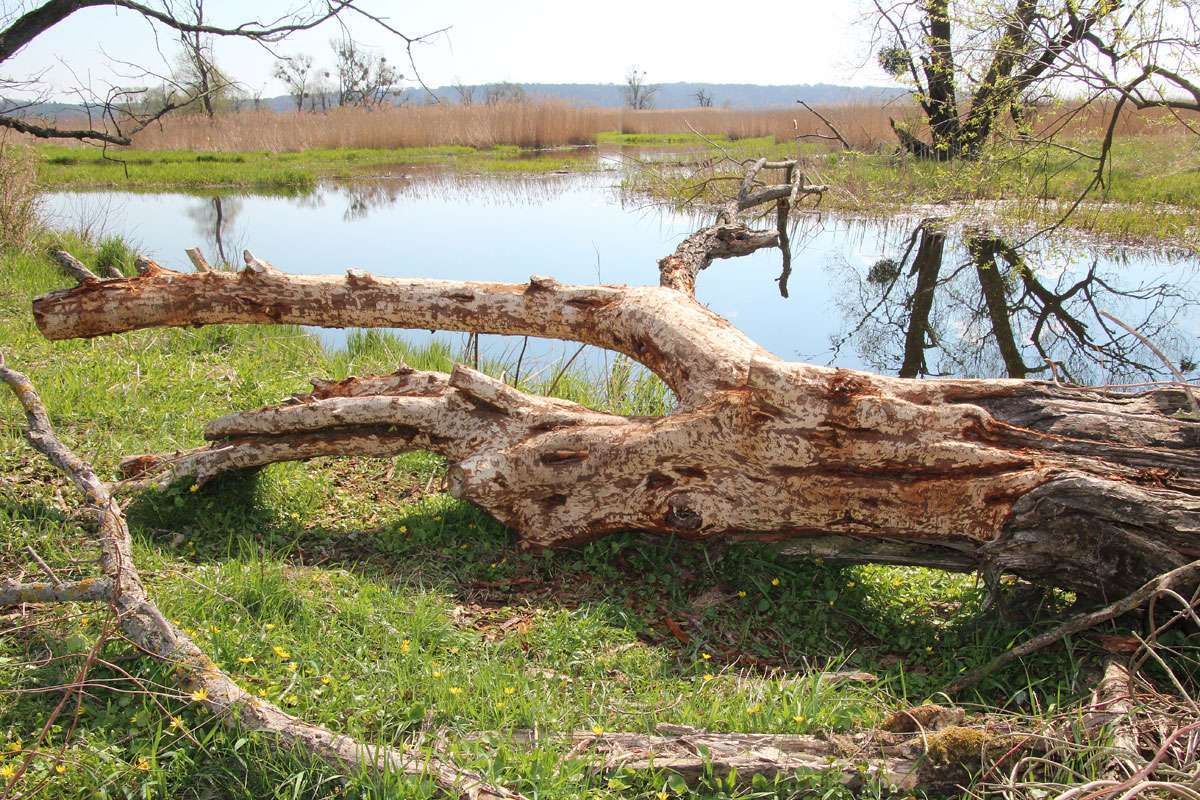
1093,491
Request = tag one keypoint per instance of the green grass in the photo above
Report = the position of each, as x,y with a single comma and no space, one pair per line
288,172
402,615
1151,193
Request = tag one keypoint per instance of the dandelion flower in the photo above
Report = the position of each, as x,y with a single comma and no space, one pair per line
499,704
798,718
280,653
455,690
142,764
60,769
706,656
775,581
662,796
83,620
246,660
7,772
270,626
176,723
200,694
325,679
405,645
214,629
596,729
195,487
708,676
509,690
742,593
437,673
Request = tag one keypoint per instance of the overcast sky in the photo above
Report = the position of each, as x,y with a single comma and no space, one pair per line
768,41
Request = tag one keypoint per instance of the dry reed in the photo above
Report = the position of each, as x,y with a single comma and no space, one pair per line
20,202
555,124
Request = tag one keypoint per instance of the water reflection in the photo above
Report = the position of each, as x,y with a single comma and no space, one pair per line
854,287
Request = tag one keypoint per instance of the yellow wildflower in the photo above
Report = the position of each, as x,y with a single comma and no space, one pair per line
270,626
176,723
799,718
774,581
83,620
437,673
754,709
596,729
325,679
246,660
405,645
14,747
291,666
60,769
509,690
7,772
214,629
291,700
195,487
280,653
142,764
708,676
455,690
742,593
200,694
662,796
706,656
499,704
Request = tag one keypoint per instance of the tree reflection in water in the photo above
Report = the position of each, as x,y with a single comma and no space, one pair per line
960,300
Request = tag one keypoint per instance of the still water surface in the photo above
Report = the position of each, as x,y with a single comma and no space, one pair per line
581,229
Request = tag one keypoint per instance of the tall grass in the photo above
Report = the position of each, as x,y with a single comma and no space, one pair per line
555,124
20,203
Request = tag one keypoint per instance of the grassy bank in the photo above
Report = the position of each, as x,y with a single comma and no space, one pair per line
265,171
358,595
1150,195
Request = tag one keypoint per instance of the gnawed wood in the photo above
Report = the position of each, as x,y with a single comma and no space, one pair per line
1092,491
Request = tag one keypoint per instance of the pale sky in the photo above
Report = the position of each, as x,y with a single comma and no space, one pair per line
542,41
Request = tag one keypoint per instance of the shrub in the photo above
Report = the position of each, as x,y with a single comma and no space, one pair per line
20,202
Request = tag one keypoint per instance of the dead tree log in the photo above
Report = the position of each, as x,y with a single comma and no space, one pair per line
1084,489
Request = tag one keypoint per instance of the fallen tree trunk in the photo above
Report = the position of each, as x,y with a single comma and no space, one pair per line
1088,490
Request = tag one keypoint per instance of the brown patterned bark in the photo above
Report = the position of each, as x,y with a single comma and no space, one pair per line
1089,490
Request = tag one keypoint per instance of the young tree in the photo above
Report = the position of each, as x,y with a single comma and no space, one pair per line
639,95
295,73
116,116
466,94
703,98
364,78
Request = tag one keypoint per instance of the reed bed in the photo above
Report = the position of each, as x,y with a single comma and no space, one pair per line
541,124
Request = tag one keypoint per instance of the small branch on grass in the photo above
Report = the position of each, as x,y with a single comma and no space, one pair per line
146,628
1078,624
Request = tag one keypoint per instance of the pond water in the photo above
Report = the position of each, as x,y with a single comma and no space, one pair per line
582,229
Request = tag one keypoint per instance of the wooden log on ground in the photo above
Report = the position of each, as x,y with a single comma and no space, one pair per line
1089,490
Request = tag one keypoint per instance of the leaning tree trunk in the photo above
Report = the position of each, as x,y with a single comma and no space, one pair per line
1089,490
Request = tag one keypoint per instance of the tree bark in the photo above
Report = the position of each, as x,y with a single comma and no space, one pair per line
1092,491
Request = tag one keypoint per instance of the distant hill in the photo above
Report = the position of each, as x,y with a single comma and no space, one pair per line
683,95
608,95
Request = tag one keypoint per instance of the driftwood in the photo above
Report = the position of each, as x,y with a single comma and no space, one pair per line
1089,490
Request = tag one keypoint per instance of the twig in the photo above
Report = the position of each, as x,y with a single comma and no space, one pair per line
1179,376
45,567
828,124
1076,624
